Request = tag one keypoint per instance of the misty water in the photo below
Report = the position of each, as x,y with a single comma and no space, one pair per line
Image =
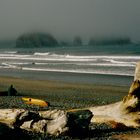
109,64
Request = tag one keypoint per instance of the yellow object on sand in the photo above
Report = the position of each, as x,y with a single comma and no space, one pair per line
35,102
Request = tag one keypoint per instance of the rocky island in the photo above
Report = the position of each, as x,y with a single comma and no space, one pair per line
36,40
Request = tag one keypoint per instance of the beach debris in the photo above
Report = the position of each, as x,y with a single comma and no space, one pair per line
51,122
33,101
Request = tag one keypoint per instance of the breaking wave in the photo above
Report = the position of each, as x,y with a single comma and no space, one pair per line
48,61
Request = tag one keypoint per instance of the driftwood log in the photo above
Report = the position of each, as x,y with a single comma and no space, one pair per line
125,113
52,122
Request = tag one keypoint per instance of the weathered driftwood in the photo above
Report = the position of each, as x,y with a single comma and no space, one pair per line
52,122
123,113
137,72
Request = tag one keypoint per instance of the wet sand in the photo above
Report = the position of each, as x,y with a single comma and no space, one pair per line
66,95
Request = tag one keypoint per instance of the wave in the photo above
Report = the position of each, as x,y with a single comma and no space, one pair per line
83,70
72,58
66,57
121,63
10,52
41,54
20,63
84,56
78,71
107,64
7,65
13,56
72,64
27,57
90,64
93,64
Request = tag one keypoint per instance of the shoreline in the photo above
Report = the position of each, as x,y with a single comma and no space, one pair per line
76,78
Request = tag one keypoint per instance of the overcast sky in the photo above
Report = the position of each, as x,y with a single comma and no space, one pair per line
69,18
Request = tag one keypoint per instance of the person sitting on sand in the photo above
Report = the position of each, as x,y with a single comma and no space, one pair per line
12,91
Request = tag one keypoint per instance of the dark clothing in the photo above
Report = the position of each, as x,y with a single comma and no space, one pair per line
12,91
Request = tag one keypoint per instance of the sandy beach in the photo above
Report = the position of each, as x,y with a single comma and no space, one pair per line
62,95
65,95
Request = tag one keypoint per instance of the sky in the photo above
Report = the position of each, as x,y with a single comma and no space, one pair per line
70,18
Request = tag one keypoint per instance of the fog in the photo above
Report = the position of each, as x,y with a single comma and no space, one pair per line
69,18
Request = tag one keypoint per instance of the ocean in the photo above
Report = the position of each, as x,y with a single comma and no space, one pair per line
107,65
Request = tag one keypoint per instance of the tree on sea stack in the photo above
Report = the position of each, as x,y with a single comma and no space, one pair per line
36,40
